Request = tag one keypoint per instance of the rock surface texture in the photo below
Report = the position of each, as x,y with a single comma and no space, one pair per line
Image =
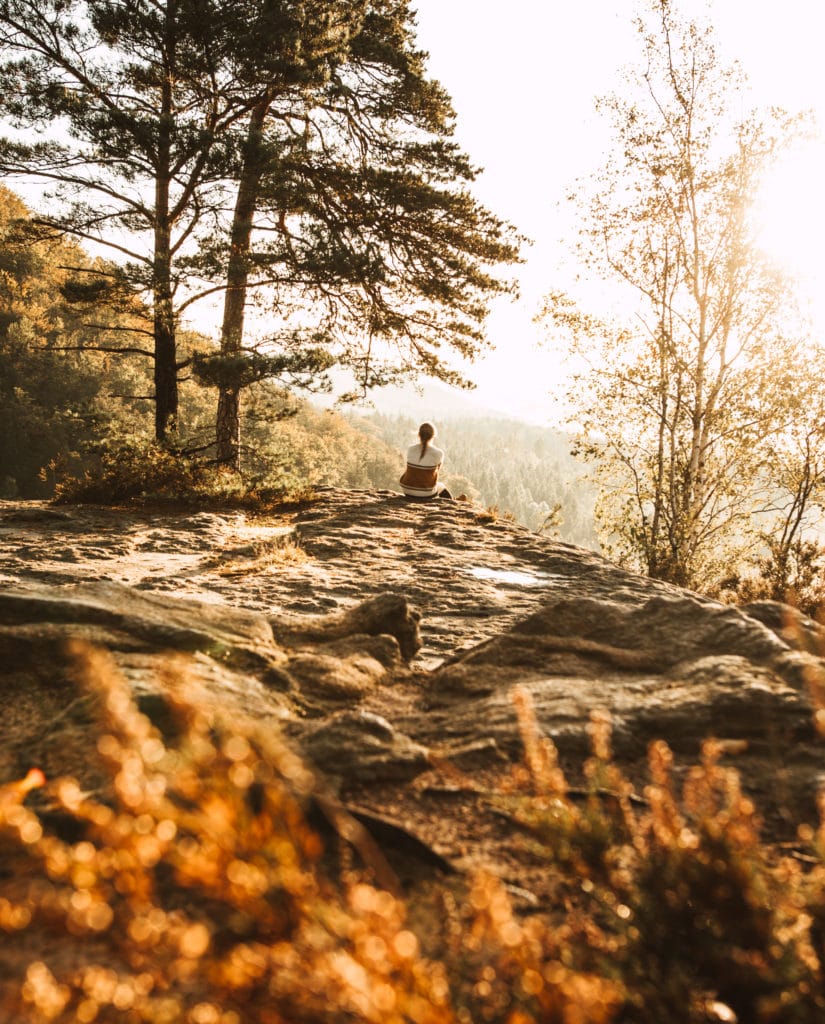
385,639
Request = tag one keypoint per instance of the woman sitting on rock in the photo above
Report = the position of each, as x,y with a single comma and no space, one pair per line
420,479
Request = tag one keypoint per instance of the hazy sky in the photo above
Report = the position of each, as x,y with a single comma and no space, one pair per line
523,76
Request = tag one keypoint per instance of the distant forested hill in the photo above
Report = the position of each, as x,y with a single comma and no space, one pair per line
297,444
520,468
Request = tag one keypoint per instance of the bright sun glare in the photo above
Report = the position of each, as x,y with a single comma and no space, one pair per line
791,211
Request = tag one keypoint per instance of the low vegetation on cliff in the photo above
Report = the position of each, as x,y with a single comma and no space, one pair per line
190,888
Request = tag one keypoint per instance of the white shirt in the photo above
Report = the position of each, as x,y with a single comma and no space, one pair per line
432,457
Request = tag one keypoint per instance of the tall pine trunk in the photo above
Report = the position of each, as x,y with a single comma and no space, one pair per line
166,375
228,421
166,369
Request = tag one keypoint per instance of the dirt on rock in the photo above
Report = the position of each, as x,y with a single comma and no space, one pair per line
470,572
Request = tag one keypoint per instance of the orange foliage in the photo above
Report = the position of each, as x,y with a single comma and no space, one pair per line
191,891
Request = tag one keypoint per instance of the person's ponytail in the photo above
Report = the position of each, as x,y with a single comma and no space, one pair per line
426,432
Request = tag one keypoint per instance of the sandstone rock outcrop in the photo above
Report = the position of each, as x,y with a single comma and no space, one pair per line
384,639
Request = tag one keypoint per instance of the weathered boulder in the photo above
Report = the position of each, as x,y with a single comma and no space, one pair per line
120,617
362,746
228,656
384,615
672,667
797,630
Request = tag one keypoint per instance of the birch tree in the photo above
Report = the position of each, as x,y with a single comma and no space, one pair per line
689,380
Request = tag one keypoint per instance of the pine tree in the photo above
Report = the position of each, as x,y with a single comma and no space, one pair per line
114,107
353,212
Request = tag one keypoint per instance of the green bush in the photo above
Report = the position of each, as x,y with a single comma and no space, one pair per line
134,470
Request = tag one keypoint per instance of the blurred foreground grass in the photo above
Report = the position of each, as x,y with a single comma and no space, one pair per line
190,889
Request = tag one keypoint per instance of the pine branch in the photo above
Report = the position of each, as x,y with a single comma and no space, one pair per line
105,348
123,330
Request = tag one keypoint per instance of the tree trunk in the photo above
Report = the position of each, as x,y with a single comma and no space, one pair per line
228,421
166,373
228,427
166,369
